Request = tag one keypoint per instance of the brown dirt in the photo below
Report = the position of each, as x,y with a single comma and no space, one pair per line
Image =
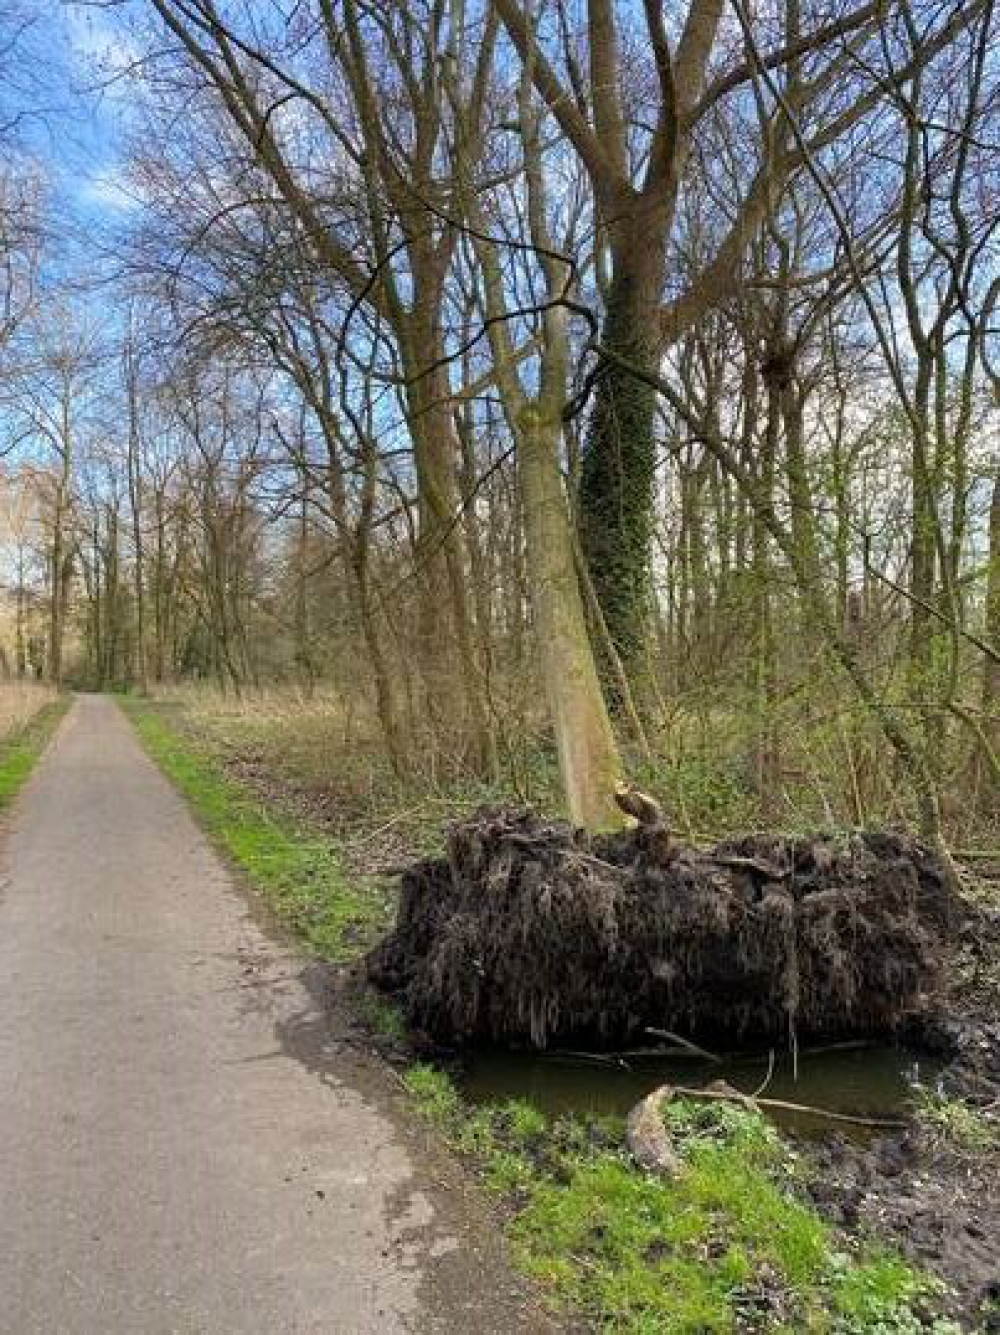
925,1197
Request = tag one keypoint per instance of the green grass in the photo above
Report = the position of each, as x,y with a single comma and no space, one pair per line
20,749
726,1246
956,1124
383,1016
296,870
436,1097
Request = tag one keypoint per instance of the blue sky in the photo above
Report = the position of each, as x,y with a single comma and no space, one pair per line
77,114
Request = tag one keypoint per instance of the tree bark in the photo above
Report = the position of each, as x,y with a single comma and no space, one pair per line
619,458
588,756
991,668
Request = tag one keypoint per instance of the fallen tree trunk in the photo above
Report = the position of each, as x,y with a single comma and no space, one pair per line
531,933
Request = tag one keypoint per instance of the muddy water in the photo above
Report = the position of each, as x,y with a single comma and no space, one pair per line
877,1080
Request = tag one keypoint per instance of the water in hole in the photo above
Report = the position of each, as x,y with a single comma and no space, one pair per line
877,1080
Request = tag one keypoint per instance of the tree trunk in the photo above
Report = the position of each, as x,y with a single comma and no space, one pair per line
619,458
991,668
56,562
449,634
588,756
20,643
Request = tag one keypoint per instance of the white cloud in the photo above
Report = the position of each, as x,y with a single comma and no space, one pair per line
108,190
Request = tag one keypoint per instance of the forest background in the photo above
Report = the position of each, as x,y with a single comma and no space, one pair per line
455,400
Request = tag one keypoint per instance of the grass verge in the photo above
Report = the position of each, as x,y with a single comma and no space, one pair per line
729,1245
21,748
295,868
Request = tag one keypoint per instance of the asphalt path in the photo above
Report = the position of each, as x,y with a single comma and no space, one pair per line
186,1144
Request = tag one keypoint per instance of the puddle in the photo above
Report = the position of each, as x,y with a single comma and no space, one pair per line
876,1080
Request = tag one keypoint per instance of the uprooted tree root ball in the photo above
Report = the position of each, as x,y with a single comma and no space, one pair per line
530,932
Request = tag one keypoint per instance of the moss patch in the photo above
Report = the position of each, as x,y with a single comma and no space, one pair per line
296,869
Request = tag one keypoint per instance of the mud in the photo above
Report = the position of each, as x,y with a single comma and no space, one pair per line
533,936
512,876
961,1023
930,1199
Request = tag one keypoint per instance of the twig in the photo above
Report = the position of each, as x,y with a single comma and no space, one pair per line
759,865
684,1043
794,1042
674,1053
844,1045
381,829
748,1100
767,1079
594,1058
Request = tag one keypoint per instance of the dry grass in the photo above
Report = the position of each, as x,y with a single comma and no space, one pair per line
309,736
325,747
20,701
322,753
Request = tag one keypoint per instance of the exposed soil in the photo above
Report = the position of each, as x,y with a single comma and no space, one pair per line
931,1196
533,933
930,1199
962,1020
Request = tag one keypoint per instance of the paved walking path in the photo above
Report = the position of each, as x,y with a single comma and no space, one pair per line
184,1146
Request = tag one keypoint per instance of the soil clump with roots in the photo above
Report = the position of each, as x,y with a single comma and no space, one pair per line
531,933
